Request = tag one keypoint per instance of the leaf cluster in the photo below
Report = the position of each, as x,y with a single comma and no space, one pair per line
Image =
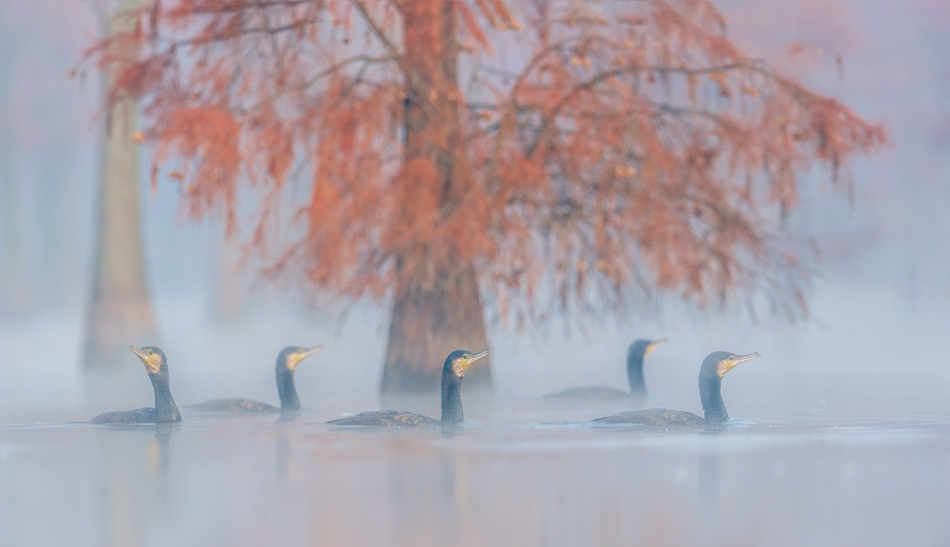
634,149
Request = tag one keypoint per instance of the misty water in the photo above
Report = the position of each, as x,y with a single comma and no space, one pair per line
840,432
840,435
521,472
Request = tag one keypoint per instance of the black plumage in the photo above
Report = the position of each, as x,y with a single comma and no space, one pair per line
636,354
165,409
453,371
388,418
287,361
714,367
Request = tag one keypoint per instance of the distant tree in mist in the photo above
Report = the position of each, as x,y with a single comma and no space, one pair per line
14,289
43,121
621,149
120,310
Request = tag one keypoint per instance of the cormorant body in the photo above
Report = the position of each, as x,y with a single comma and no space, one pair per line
638,350
165,409
453,371
388,418
714,367
287,362
589,392
235,405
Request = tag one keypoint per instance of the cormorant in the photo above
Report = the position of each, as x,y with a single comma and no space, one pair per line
165,410
714,367
287,361
453,371
638,388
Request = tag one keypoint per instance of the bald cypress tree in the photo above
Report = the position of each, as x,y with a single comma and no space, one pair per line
120,309
622,148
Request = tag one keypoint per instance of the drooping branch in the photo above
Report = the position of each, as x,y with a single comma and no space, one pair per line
377,31
325,73
619,151
609,160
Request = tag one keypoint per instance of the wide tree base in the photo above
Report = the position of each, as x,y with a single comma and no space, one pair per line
428,323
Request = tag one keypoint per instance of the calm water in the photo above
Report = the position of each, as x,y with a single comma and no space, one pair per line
521,472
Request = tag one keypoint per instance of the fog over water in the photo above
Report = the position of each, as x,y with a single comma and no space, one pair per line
842,428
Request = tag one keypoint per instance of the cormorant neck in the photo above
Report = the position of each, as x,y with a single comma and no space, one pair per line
286,389
451,397
710,394
165,408
635,374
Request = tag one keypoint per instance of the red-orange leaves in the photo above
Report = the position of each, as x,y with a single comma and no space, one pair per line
616,149
272,142
211,134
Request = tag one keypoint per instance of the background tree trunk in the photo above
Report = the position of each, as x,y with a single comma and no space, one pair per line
15,294
437,307
231,289
120,311
14,286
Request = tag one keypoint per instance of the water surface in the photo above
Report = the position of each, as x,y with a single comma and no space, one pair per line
521,472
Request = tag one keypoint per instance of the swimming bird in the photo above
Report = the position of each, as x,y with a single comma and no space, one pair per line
453,371
165,410
714,367
287,361
638,388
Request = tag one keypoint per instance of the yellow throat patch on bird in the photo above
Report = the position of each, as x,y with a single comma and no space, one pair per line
462,364
296,357
652,346
730,362
149,358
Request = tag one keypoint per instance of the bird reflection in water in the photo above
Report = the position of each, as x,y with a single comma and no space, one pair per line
135,490
158,457
282,455
452,430
429,493
157,450
709,475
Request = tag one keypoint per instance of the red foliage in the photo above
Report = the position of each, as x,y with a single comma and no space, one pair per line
633,147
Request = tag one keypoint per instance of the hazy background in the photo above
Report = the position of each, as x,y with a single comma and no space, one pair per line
878,334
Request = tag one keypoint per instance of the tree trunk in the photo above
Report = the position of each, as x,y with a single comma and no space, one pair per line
14,282
120,311
230,288
437,307
15,294
427,324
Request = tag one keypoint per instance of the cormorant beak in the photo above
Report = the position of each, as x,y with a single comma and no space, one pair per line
465,364
153,362
652,346
730,362
295,358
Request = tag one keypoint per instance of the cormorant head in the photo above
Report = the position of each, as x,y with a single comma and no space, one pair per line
459,361
645,347
151,356
291,356
718,363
